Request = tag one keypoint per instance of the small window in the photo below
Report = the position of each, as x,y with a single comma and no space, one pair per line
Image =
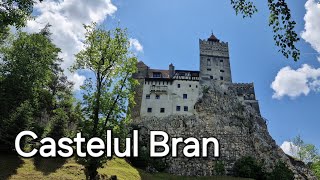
185,96
208,69
178,108
221,60
221,78
149,110
148,96
189,85
196,86
157,96
185,108
211,77
161,110
157,74
178,85
208,62
221,70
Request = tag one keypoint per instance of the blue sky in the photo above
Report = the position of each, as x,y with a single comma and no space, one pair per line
169,32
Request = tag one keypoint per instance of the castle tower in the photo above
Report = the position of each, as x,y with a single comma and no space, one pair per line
214,60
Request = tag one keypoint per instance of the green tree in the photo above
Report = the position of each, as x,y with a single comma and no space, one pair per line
304,152
14,13
106,97
280,19
33,82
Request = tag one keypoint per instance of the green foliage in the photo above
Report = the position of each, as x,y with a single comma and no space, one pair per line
281,171
105,98
304,152
219,168
283,27
34,93
58,125
15,12
281,22
315,167
246,8
248,167
18,121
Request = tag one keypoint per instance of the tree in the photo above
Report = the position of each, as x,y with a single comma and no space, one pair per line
15,12
280,20
105,100
304,152
33,88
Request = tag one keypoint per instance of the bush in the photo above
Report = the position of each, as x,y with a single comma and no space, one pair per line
219,168
315,167
281,171
248,167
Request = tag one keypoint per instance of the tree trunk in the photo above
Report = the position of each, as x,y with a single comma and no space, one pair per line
97,106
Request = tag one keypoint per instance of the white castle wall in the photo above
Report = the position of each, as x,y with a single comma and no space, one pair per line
170,97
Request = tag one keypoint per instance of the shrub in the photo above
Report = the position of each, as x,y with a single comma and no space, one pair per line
248,167
219,168
315,167
281,171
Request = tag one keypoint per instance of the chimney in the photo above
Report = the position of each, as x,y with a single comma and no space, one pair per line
171,70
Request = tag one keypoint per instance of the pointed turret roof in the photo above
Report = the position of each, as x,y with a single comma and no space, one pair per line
213,38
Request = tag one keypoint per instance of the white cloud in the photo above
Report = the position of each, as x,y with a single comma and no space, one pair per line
289,148
78,81
311,33
293,83
67,18
135,44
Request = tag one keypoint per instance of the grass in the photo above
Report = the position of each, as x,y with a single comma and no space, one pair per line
15,168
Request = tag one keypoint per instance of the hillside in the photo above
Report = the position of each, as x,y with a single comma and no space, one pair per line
15,168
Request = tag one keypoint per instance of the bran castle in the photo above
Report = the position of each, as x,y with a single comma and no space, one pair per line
174,92
206,103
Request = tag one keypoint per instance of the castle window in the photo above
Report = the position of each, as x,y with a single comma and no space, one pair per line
196,86
211,77
221,78
178,85
222,71
185,108
148,96
178,108
149,110
157,96
208,69
221,60
161,110
185,96
157,74
208,62
189,85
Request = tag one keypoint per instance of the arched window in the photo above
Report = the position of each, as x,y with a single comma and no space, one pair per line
208,62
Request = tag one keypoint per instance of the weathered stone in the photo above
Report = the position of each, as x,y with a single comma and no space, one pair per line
239,128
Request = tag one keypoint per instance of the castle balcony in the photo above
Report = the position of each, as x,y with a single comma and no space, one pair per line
159,88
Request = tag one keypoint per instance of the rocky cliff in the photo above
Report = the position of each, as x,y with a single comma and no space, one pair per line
240,130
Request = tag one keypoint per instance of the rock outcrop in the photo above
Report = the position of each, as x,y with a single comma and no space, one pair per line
240,130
